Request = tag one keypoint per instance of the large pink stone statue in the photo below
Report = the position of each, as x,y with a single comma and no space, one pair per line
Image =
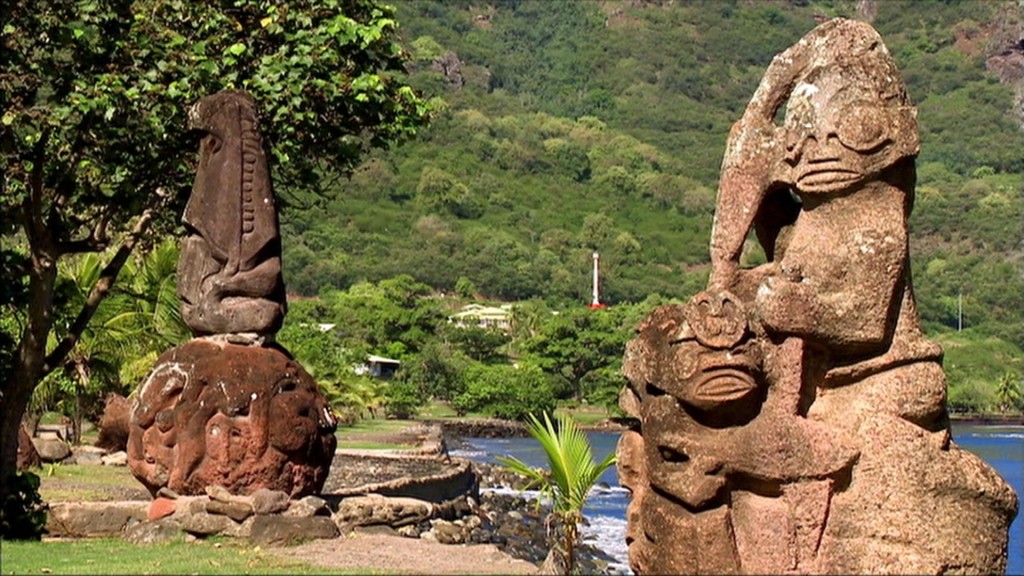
230,407
793,416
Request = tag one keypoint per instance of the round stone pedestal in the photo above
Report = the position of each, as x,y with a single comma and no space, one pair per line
239,416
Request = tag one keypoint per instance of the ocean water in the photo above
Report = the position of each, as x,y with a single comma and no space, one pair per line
1001,446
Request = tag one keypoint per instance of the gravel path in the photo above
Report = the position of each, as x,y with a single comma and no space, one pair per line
405,556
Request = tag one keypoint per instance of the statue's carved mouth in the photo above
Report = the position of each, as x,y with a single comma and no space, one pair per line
827,178
719,387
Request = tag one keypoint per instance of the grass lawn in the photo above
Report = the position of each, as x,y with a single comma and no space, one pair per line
214,556
586,415
374,426
63,482
371,445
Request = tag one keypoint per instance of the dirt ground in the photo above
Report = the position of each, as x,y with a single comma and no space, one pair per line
398,554
406,556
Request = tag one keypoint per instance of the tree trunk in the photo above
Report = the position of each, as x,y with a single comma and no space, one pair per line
30,362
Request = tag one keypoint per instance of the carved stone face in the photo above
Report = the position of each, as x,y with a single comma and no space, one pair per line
242,417
839,134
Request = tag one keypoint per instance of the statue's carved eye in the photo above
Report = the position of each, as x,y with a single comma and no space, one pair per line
864,128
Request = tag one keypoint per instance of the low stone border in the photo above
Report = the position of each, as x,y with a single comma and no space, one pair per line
455,478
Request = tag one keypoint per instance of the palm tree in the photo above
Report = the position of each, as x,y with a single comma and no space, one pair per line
1008,392
135,323
573,472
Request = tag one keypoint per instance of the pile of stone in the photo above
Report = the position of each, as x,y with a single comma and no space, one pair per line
51,447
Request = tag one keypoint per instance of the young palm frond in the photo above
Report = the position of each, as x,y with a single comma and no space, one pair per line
572,474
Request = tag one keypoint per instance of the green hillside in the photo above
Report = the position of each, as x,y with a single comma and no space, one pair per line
573,126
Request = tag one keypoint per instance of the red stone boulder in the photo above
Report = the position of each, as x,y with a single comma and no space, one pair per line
28,457
245,417
113,435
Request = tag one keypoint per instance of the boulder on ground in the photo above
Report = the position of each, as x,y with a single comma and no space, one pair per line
115,459
244,417
28,457
308,506
93,519
163,530
114,424
51,450
266,501
277,529
375,509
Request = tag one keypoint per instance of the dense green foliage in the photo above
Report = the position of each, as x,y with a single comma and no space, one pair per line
575,126
96,153
22,511
565,128
544,358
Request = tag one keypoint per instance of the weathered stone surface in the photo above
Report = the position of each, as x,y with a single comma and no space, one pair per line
160,508
241,417
91,519
446,532
237,511
308,506
793,415
51,450
165,492
269,501
279,529
89,459
204,523
217,492
154,532
28,457
113,435
119,458
376,509
229,273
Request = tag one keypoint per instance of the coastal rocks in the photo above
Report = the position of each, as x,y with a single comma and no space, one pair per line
481,428
374,509
242,417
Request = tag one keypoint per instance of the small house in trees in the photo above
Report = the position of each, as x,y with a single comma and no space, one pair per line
497,317
379,367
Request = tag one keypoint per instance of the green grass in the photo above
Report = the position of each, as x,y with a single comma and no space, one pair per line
214,556
371,445
435,409
585,415
62,482
372,426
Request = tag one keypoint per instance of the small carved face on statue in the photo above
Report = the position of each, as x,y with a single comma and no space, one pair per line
842,130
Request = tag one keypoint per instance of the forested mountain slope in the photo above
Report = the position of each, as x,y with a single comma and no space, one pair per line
572,126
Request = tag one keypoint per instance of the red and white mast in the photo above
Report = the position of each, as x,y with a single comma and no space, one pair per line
596,302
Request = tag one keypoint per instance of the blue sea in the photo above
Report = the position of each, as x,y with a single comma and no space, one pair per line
1001,446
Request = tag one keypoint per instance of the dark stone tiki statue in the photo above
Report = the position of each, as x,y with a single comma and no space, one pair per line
230,407
793,416
229,275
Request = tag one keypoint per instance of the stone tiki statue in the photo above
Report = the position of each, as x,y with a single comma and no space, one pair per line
792,417
230,407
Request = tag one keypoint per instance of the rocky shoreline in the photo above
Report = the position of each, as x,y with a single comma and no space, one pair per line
517,523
